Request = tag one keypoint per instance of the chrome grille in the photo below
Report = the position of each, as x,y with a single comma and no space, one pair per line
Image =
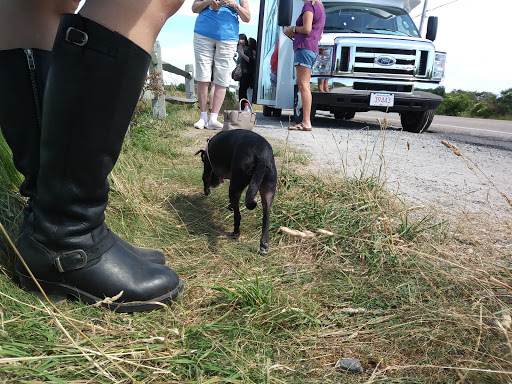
365,61
383,59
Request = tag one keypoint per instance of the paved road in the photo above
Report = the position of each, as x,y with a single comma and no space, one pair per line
494,133
417,166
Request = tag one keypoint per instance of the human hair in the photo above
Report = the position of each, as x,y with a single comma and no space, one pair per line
243,37
252,43
316,1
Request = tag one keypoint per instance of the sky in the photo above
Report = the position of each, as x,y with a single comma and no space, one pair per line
477,41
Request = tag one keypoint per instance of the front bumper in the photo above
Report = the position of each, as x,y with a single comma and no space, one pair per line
354,95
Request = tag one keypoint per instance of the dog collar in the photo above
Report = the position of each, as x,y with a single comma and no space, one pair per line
221,180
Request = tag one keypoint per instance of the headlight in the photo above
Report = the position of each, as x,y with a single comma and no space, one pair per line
323,62
439,66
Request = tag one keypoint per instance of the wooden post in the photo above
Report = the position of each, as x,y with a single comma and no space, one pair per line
158,101
189,83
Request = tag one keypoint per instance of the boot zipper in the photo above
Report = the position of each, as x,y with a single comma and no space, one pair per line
35,90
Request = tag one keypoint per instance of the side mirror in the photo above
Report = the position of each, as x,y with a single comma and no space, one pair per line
432,28
284,13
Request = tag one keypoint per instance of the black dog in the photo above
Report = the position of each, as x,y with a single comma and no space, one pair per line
247,159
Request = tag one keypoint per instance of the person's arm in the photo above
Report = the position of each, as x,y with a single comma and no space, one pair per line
199,5
242,54
307,19
242,9
304,29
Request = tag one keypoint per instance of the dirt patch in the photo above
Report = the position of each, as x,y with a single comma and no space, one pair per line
472,184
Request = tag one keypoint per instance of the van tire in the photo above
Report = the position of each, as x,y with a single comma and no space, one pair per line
297,106
349,115
276,112
416,121
267,111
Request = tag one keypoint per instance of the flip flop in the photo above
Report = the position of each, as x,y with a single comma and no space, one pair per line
299,127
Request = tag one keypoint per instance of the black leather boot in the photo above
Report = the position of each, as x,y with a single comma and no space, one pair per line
93,86
23,74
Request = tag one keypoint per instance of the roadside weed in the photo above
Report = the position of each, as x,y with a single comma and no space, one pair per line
413,298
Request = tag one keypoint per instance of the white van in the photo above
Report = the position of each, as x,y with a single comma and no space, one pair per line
371,53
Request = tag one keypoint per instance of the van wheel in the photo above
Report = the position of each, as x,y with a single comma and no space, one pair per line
297,106
349,115
276,112
416,122
339,115
313,113
267,111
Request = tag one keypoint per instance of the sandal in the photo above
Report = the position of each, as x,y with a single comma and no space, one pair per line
299,127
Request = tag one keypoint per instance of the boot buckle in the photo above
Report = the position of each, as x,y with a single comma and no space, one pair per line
76,36
69,261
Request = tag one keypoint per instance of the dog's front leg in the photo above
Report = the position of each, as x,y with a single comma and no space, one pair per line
234,202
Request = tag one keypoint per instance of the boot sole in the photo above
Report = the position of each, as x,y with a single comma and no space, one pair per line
63,291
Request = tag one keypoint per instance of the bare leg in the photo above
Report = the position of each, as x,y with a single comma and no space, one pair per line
202,94
138,20
218,98
303,78
212,92
31,23
323,85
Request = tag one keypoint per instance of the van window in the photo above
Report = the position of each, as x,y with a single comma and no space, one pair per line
368,18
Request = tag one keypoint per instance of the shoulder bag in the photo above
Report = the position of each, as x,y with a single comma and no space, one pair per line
238,119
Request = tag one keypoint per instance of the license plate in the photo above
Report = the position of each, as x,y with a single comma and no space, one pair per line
382,99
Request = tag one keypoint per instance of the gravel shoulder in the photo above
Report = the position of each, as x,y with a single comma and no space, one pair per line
417,168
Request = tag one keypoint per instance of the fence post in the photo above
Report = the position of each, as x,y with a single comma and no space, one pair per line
189,84
158,101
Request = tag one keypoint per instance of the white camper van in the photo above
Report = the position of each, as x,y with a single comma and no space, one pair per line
371,53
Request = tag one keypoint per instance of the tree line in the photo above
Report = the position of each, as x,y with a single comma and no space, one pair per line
485,105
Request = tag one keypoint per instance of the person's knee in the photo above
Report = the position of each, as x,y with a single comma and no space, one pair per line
303,85
169,7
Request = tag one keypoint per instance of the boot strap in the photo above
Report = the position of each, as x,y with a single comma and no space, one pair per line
79,258
78,34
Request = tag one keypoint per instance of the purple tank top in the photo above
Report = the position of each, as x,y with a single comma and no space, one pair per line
310,41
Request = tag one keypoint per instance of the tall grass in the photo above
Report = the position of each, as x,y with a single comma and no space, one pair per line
10,202
411,298
9,176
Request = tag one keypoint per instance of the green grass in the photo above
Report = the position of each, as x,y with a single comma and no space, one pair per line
397,290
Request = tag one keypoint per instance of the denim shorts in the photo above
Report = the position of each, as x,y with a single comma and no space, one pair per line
305,57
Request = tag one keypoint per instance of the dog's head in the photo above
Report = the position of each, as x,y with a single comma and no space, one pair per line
210,179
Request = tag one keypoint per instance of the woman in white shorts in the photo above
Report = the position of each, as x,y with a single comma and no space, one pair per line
215,40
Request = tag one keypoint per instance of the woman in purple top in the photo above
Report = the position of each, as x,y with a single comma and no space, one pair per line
306,33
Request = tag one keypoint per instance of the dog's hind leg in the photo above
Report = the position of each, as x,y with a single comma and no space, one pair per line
254,185
267,197
234,202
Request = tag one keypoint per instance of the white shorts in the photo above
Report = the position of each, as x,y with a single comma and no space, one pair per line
214,55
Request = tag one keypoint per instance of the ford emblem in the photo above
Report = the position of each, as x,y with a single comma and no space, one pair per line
385,61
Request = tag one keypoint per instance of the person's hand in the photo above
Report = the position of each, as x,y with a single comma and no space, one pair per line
288,31
229,3
215,5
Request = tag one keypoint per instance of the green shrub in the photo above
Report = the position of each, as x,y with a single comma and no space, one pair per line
454,104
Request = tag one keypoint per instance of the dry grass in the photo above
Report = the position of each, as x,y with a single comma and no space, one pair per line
415,298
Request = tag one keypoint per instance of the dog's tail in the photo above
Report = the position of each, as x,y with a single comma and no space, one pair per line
254,185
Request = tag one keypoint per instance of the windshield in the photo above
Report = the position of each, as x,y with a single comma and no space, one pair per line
368,18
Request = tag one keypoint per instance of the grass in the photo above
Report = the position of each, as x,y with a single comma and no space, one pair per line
415,298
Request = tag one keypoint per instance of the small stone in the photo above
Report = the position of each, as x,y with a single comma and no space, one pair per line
349,365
